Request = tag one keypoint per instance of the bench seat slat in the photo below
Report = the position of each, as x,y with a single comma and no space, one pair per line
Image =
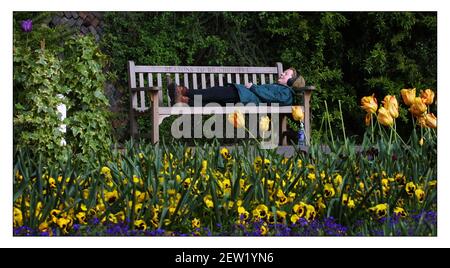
224,110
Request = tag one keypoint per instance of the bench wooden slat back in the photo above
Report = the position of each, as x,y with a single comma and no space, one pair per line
254,78
211,80
194,81
220,80
142,93
203,80
177,78
193,77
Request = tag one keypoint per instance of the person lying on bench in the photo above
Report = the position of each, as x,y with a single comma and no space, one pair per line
279,92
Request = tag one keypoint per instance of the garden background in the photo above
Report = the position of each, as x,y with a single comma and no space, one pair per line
89,187
346,55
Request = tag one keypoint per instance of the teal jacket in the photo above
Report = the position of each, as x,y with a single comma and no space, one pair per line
267,93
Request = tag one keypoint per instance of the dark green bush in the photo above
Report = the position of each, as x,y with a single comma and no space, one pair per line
346,55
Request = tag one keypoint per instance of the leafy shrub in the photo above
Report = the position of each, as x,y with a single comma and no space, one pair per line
88,113
49,62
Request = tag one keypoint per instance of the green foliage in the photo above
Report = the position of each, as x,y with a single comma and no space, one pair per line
37,81
36,119
88,107
345,55
49,62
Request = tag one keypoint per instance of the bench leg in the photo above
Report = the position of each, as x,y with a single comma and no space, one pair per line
155,117
283,132
133,124
155,131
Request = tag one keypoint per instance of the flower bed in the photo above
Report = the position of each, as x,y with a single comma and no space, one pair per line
211,191
386,187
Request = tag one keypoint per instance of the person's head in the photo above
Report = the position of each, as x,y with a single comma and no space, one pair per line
286,75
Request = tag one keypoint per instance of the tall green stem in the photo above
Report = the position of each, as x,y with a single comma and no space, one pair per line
395,129
390,139
401,139
421,136
342,121
371,123
253,136
329,123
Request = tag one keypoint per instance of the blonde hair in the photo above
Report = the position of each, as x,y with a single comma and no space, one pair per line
298,80
294,72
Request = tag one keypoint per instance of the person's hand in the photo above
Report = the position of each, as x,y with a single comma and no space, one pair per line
248,85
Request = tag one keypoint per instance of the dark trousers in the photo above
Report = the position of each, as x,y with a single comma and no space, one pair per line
220,95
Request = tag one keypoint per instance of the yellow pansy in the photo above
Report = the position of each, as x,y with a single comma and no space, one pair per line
18,218
111,196
410,188
379,211
420,195
400,212
225,153
328,190
195,223
140,225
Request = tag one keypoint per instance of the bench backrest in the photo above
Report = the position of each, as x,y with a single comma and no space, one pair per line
192,77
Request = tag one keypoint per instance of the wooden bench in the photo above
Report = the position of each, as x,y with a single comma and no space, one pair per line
151,81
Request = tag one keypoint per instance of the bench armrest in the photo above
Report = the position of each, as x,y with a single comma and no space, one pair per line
151,89
303,89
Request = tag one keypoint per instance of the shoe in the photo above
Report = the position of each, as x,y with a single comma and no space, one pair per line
182,90
182,99
180,94
171,88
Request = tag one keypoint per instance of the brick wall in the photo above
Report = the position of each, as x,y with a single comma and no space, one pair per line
85,22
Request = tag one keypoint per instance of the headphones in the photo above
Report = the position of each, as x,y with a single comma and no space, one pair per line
291,81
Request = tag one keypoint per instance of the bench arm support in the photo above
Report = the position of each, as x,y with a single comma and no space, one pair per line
153,93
